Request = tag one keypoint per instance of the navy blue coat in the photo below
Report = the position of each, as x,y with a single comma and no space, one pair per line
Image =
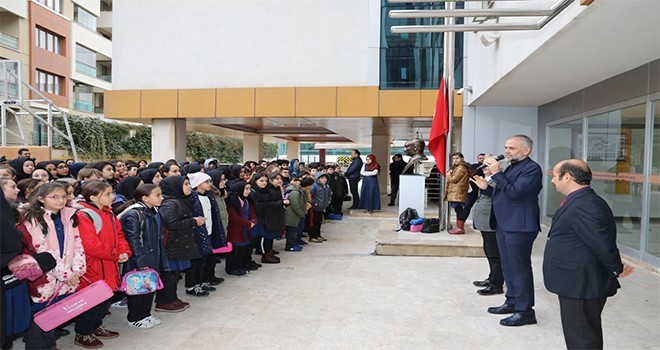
207,241
145,237
353,171
516,197
581,259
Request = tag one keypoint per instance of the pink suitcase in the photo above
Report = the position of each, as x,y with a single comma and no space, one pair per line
72,306
226,249
416,228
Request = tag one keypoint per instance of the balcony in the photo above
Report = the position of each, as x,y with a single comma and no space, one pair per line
8,41
107,78
84,106
85,69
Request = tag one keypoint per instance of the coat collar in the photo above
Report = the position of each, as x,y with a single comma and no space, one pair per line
569,201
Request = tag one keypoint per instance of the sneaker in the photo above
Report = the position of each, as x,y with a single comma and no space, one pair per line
300,242
322,238
197,291
120,304
171,307
237,272
88,341
295,248
103,333
316,240
206,286
153,319
141,324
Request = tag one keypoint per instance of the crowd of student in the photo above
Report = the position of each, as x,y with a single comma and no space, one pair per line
80,223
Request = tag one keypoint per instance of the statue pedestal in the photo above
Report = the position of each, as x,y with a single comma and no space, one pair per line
411,193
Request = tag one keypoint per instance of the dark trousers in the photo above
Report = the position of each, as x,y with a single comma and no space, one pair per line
195,272
301,229
208,271
168,293
89,321
580,320
316,221
139,306
37,339
239,258
353,184
265,244
493,255
394,189
516,258
462,212
291,232
336,205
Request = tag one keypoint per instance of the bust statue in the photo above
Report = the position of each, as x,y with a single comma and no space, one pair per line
415,149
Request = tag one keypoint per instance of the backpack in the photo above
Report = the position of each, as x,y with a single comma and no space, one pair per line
431,226
94,216
405,217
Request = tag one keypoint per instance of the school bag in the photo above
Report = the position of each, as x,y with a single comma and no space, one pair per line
431,226
405,217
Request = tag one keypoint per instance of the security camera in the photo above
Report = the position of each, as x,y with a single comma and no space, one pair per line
463,89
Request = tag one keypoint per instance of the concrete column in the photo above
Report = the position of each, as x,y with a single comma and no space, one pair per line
292,150
168,139
253,147
380,147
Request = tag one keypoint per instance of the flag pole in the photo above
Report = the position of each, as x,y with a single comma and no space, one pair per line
448,71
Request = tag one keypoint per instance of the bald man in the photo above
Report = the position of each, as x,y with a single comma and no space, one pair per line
581,263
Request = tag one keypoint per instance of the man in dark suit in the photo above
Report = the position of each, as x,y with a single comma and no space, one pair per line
517,223
353,176
581,263
396,169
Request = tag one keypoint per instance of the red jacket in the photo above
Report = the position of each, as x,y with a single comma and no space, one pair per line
237,223
103,249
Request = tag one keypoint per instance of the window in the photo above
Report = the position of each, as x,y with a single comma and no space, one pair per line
85,61
48,41
48,82
54,5
84,18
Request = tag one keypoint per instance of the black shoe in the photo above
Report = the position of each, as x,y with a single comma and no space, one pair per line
491,290
390,204
197,291
206,286
300,242
253,266
484,283
237,272
502,309
216,280
519,319
60,332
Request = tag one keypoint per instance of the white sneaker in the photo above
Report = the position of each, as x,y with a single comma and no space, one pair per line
154,320
120,304
141,324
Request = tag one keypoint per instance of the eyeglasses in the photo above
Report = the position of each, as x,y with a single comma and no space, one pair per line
57,197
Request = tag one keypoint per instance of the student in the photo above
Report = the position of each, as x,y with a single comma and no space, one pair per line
170,169
103,250
23,166
132,170
179,221
125,191
208,236
61,169
87,174
321,198
269,206
120,169
52,228
41,175
150,176
296,210
142,225
370,193
242,218
10,190
107,172
26,187
7,172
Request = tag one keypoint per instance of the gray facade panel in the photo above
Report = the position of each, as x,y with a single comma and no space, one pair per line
654,76
622,87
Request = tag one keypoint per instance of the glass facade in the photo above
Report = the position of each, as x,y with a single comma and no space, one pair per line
84,18
85,61
414,61
83,98
615,144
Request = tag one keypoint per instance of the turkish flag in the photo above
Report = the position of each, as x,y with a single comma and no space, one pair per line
438,139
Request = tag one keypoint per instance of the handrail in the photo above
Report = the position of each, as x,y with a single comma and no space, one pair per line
469,13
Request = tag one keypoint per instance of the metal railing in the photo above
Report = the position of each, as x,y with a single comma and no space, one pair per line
8,41
10,73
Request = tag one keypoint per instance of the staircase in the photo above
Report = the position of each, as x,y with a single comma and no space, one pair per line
14,104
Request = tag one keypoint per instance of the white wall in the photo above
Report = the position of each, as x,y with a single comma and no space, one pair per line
17,7
486,128
167,44
488,64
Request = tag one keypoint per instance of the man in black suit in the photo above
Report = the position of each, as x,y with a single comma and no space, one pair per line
581,263
353,176
516,219
396,169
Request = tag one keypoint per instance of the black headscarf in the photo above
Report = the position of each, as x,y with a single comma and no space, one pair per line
17,164
155,165
43,164
127,186
74,169
192,168
172,187
147,175
236,192
234,171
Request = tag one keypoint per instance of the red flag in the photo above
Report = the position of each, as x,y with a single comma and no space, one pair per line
438,139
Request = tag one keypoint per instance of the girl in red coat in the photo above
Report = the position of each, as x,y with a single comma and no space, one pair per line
242,219
105,247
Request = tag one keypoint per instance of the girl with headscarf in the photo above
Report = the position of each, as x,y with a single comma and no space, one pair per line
49,167
125,191
61,169
74,168
24,167
179,223
150,176
242,219
370,193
